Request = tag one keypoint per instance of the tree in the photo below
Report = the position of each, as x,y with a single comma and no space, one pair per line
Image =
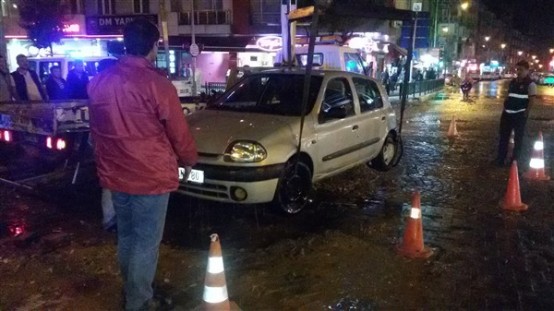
43,20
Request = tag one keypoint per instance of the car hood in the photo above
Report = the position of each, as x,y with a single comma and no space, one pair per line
214,130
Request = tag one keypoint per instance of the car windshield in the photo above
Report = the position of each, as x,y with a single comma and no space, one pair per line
279,94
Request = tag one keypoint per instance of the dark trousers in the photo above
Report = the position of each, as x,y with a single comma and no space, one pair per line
509,122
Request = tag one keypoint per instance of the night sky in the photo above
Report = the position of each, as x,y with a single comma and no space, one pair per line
533,17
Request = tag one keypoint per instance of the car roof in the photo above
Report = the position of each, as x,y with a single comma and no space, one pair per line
315,72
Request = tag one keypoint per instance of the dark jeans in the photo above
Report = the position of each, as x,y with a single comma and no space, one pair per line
140,225
509,122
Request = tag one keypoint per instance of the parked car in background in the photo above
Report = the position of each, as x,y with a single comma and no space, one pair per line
546,79
248,138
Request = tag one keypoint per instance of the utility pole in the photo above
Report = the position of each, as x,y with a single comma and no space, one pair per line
288,31
2,39
194,50
165,34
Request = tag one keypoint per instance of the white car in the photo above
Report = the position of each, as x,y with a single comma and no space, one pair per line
248,139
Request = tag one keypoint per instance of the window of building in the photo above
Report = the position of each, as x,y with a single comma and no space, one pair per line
266,12
141,6
208,5
106,7
75,6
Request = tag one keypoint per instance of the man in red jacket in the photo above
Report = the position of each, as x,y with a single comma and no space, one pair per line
140,134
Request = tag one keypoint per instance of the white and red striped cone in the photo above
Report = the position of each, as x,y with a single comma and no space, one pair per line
452,130
215,296
537,170
412,244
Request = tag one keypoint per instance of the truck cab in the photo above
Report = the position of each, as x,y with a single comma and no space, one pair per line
332,57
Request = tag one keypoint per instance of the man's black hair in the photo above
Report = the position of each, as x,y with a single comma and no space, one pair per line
139,37
523,63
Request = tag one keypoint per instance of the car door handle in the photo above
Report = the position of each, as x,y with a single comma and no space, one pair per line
355,128
383,118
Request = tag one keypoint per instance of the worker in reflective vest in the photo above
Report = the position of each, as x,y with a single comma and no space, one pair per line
521,95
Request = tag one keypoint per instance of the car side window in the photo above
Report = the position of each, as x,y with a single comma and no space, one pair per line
368,94
337,102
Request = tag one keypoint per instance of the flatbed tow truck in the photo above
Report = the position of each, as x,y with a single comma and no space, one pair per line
50,141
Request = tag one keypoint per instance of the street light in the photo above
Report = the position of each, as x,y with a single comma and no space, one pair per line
534,56
445,29
487,38
551,51
503,46
464,6
537,61
519,53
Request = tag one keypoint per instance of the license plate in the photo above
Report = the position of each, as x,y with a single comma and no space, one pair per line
196,176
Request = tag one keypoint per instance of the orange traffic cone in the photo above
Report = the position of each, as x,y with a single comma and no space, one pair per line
215,288
412,242
537,162
452,131
512,199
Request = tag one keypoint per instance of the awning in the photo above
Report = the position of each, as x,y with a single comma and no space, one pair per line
213,43
394,48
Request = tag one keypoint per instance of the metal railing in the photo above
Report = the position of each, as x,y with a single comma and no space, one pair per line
216,87
208,17
419,88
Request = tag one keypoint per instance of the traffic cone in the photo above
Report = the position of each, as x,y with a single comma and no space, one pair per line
452,131
412,242
215,296
537,162
512,199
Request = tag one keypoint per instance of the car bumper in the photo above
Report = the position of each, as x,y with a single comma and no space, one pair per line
221,183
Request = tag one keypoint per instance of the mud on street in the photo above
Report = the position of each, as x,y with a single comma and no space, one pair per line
338,254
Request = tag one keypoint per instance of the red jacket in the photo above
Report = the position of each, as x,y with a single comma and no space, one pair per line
138,128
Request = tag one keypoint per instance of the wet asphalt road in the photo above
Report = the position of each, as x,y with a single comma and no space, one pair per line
340,252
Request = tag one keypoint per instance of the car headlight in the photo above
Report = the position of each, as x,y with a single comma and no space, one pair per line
246,151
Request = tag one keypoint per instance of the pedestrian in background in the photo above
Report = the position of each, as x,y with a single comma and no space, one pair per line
26,81
77,81
140,134
56,85
7,89
466,87
385,80
520,100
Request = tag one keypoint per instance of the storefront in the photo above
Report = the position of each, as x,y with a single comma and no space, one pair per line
86,38
217,56
379,52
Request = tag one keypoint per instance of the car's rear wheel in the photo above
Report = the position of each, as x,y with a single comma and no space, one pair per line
386,158
294,188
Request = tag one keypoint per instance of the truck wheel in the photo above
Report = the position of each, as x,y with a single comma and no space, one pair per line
294,188
385,160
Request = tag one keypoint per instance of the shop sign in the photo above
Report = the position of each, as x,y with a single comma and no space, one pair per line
269,43
113,25
71,28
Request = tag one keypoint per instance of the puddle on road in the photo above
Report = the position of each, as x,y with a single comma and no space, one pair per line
378,205
348,304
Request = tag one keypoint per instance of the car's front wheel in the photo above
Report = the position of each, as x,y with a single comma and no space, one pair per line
294,188
386,158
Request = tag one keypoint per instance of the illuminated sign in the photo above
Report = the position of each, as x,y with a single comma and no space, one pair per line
113,25
270,43
72,28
